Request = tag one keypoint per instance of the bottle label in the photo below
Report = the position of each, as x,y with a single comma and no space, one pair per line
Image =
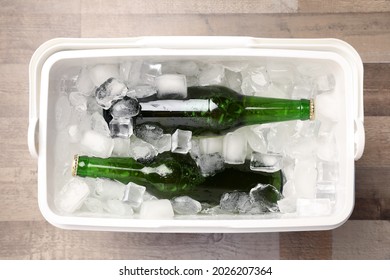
171,105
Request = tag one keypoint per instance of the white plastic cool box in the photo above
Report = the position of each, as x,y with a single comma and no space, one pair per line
53,58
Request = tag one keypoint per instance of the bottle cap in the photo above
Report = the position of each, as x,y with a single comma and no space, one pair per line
312,109
75,164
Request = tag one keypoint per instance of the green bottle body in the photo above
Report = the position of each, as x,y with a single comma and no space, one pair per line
218,109
170,175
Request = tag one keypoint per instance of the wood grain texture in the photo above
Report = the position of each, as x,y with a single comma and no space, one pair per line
343,6
366,240
43,241
24,25
377,148
144,7
377,89
314,245
368,33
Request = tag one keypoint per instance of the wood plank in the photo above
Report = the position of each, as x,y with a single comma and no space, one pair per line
343,6
372,182
14,90
372,193
315,245
40,240
22,33
164,7
40,7
377,89
377,148
371,209
366,240
368,33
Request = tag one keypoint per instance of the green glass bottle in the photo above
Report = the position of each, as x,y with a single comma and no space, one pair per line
170,175
218,109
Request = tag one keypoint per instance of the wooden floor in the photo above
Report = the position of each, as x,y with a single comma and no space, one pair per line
24,25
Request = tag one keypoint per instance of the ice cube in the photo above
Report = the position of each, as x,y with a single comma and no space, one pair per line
187,68
84,83
78,101
121,147
254,80
327,107
125,108
153,134
141,91
68,83
236,202
149,71
192,81
288,168
229,201
74,133
195,148
234,148
110,91
244,203
305,176
102,72
171,86
108,189
211,145
278,137
162,144
141,150
303,91
235,66
289,189
134,73
233,80
266,162
307,128
72,195
274,91
266,197
148,132
93,205
327,147
256,137
134,194
121,127
99,125
325,83
147,196
311,69
117,207
301,147
313,207
287,205
96,144
212,75
124,70
156,209
181,141
282,76
63,112
326,189
92,105
185,205
209,164
328,171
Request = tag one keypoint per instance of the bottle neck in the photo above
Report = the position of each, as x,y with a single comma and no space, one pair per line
121,169
258,110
